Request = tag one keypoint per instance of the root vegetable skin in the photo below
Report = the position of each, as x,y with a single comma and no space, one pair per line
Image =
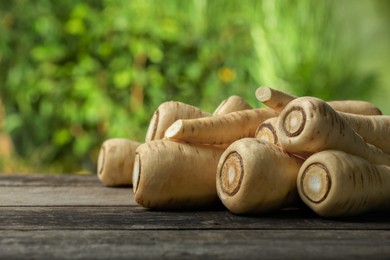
115,162
273,98
223,129
255,177
374,129
278,100
335,184
355,107
232,104
173,175
309,125
167,113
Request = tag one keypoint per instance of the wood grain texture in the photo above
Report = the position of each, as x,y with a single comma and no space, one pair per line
50,180
65,196
137,218
185,244
76,217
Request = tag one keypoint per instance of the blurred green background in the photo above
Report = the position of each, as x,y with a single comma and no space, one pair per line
74,73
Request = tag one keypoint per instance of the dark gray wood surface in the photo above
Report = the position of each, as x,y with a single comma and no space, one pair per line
76,217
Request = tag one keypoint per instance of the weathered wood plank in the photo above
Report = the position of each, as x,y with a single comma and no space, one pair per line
66,180
76,217
210,244
65,196
136,218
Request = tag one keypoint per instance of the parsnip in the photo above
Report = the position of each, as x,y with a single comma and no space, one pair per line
167,113
223,129
254,176
273,98
173,175
277,100
267,131
115,162
374,129
232,104
309,124
358,107
334,183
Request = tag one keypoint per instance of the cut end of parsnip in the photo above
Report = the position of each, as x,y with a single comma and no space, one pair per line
315,183
101,160
174,129
136,172
267,133
294,121
231,174
263,94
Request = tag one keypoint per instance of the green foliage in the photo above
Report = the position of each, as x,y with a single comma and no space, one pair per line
74,73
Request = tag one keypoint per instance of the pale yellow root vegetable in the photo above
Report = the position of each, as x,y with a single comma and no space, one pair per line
277,100
115,162
174,175
223,129
359,107
273,98
232,104
334,183
310,125
267,131
167,113
254,176
374,129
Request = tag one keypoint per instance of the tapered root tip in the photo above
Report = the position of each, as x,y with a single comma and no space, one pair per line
151,132
231,174
174,129
101,160
136,172
294,121
263,94
219,107
315,183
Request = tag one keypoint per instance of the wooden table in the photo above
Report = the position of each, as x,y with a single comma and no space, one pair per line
69,216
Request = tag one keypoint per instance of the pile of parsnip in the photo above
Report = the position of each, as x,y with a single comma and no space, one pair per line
333,156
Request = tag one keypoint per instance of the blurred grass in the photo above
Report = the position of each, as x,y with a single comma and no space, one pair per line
372,20
74,73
